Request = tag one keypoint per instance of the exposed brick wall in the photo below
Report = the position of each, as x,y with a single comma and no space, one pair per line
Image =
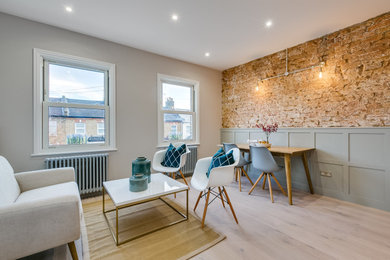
354,90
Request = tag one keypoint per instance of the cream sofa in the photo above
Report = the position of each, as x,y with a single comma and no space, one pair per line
39,210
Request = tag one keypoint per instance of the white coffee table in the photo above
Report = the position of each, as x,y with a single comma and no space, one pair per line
120,194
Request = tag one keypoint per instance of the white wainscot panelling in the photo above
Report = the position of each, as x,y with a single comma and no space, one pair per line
279,139
367,186
331,147
329,185
301,139
367,148
358,160
241,137
227,137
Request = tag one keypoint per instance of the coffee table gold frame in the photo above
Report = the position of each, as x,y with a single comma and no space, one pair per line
115,233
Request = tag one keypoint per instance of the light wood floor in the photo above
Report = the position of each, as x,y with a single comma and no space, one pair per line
315,227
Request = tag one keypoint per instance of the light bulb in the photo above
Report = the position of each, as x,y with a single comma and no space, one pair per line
257,88
320,75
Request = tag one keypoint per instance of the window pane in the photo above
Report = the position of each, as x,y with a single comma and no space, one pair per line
176,97
75,86
75,126
177,127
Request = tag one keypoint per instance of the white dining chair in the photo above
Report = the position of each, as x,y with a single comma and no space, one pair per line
219,178
239,170
159,157
263,161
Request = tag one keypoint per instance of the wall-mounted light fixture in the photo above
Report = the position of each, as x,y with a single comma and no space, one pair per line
286,73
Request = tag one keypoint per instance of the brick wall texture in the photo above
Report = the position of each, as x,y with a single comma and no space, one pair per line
353,92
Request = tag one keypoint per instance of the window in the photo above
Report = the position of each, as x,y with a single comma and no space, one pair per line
177,110
79,128
100,129
73,96
52,128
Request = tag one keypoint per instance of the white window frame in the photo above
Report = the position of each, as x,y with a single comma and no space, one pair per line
41,134
162,78
84,128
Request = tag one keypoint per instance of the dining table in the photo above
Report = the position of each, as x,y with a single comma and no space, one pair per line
288,152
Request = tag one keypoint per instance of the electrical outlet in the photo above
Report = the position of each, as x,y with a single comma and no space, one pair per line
326,174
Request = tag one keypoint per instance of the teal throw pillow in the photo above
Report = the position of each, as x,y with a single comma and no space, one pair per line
220,159
172,156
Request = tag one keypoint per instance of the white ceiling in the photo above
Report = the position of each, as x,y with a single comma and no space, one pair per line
233,31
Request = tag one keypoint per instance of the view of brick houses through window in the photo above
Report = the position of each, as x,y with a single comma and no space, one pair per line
76,105
176,126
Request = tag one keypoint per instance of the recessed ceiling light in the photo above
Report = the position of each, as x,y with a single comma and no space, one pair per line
68,9
175,17
268,24
207,54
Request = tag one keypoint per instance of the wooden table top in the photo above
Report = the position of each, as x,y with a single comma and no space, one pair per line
280,149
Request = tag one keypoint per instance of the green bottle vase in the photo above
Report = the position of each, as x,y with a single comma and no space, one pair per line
141,165
138,182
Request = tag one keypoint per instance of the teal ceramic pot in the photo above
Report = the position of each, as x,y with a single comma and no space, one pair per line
141,165
138,182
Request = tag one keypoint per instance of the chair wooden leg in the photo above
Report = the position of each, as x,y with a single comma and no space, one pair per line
280,186
270,188
265,177
73,250
205,207
239,178
182,175
243,170
235,170
197,201
257,181
220,192
230,204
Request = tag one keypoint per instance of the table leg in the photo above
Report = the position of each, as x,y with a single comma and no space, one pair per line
103,201
117,227
287,165
187,204
304,160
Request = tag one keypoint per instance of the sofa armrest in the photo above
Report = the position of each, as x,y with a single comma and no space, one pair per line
41,178
34,226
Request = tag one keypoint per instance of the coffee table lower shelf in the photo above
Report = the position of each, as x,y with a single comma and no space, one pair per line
115,233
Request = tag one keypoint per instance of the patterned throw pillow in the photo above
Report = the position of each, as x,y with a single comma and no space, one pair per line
220,159
172,156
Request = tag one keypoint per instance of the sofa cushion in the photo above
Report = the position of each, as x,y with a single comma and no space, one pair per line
57,190
9,187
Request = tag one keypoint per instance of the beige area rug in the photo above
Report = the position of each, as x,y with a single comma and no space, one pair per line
180,241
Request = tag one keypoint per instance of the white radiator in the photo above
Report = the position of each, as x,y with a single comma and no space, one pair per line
192,158
90,169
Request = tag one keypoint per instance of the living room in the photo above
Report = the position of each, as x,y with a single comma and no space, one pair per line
195,129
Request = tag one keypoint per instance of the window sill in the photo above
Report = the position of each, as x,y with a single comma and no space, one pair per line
166,145
74,152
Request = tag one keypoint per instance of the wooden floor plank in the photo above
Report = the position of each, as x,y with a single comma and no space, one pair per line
315,227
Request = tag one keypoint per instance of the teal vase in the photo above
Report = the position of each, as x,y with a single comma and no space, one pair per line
141,165
138,182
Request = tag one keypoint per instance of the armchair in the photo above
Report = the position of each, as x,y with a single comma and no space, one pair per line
219,178
39,210
159,157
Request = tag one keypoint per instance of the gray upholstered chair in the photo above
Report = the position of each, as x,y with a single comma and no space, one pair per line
263,161
239,170
39,210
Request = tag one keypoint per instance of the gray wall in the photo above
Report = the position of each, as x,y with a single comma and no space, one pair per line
357,158
136,79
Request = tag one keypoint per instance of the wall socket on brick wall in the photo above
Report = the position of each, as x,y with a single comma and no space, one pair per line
326,174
